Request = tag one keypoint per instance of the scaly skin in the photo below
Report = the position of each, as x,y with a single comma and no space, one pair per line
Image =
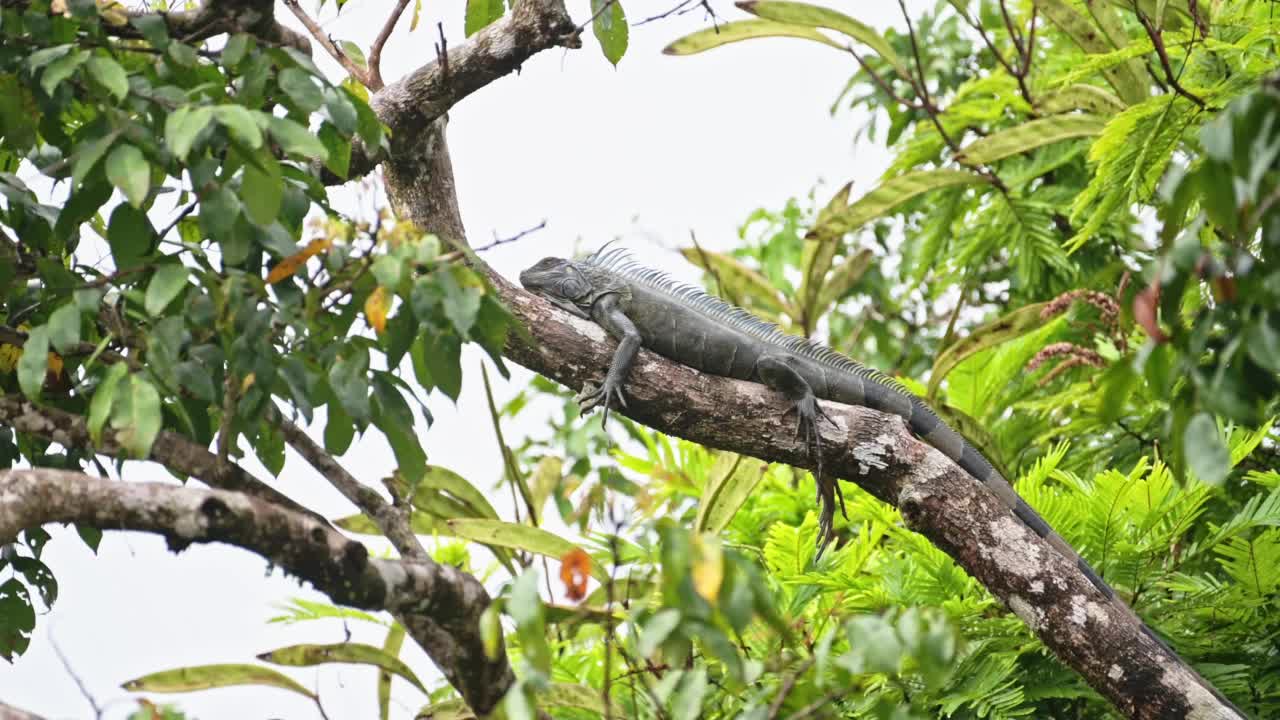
643,308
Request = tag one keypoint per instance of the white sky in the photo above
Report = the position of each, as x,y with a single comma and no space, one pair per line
648,151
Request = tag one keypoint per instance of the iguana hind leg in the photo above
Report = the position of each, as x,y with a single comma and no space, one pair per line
777,373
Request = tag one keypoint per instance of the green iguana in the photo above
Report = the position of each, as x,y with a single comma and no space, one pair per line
641,307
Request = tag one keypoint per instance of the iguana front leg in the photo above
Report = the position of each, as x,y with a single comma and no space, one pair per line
607,312
777,373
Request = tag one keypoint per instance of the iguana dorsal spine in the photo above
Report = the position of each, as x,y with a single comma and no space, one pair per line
643,307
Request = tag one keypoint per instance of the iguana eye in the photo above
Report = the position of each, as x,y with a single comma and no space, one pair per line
569,288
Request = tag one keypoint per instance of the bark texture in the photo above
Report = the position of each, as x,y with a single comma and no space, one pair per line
874,450
439,605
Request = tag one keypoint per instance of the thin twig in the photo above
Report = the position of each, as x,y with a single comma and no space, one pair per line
882,83
1157,41
599,11
392,520
66,665
456,254
442,51
375,53
932,110
678,9
776,706
327,43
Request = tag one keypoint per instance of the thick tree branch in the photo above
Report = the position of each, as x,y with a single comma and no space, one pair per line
326,42
169,449
438,604
451,643
936,498
416,100
375,53
215,17
390,520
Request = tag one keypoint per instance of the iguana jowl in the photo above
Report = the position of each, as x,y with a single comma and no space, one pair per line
641,307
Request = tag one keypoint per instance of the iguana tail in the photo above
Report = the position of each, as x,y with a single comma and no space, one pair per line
924,422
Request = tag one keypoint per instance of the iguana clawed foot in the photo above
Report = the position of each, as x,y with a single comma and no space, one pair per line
593,396
808,413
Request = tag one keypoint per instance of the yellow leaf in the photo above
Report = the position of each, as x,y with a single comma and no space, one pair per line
708,566
9,355
290,265
375,309
247,383
54,369
112,12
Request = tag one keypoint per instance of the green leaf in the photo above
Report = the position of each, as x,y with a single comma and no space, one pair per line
610,29
130,172
349,378
1096,100
110,75
262,190
391,646
103,399
183,125
1263,341
657,630
153,27
339,149
130,235
17,619
461,299
687,704
237,47
1029,136
296,139
341,111
843,280
169,280
354,653
354,52
302,89
480,13
729,484
64,326
740,30
437,362
1002,329
443,479
516,537
738,283
34,362
1126,79
61,69
136,417
238,121
204,677
888,196
87,155
797,13
338,430
1207,455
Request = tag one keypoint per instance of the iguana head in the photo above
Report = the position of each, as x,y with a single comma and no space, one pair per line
563,283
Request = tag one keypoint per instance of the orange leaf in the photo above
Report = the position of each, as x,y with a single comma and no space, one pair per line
288,266
575,568
375,309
